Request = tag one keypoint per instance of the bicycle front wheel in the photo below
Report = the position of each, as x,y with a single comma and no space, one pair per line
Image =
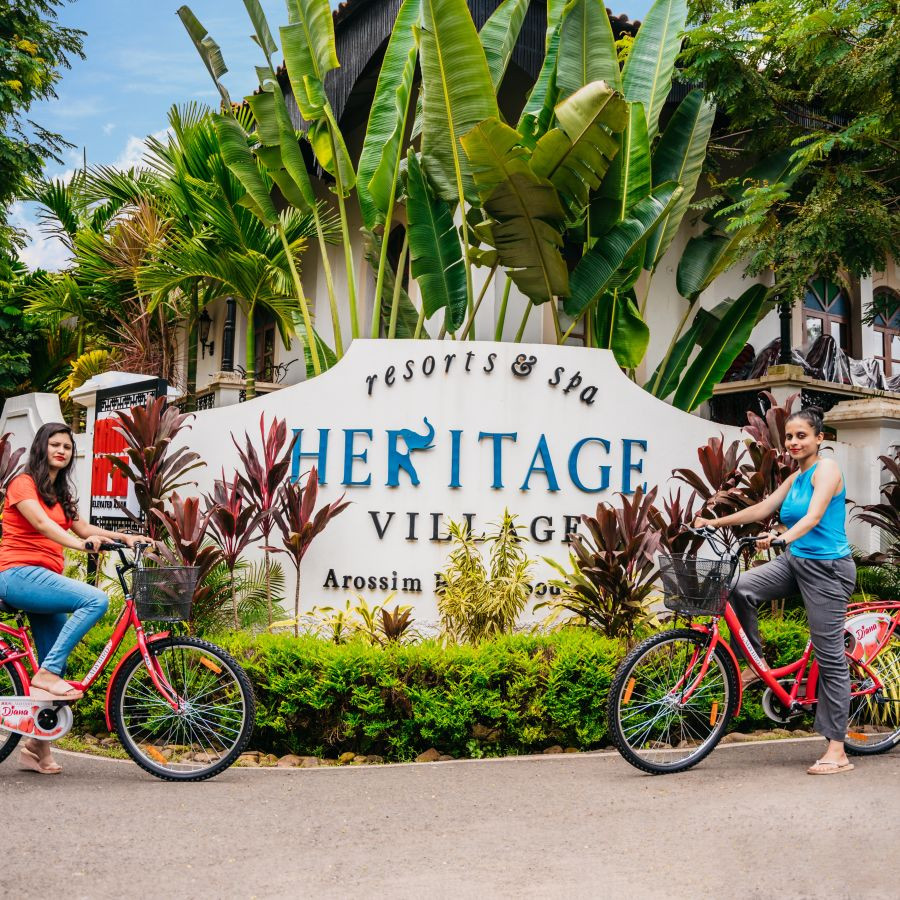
212,725
874,722
651,722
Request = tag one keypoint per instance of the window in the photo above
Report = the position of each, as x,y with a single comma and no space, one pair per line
887,325
826,310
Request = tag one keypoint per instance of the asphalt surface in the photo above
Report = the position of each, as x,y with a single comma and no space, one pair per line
747,822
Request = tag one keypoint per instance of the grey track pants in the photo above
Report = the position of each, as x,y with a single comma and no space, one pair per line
825,585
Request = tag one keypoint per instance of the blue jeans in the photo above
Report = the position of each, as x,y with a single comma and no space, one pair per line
47,598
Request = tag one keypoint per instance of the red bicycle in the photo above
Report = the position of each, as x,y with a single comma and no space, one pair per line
183,708
672,697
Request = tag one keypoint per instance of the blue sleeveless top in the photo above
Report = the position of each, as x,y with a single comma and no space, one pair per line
828,539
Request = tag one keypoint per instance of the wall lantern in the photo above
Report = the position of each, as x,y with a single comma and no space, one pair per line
204,323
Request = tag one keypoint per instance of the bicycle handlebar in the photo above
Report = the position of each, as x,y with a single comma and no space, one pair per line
711,533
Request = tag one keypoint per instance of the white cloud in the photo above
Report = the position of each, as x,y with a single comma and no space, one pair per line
109,127
41,250
132,155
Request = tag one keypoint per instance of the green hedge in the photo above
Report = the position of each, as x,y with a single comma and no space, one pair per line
517,694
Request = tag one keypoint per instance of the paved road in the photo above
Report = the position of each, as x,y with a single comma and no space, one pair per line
746,823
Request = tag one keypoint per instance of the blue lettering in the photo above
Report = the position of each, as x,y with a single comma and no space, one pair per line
497,438
573,466
542,451
454,458
398,460
321,454
628,466
349,456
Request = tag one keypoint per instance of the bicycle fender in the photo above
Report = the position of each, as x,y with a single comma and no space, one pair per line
737,668
703,629
122,661
16,664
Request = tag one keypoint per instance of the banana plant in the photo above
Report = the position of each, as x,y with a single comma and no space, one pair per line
276,157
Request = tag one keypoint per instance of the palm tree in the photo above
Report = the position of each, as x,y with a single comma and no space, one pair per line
216,247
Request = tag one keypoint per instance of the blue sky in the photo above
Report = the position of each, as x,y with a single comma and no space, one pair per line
139,61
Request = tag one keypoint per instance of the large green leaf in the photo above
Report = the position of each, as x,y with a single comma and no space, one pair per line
331,151
679,157
408,315
661,385
647,76
597,268
499,35
457,93
262,34
243,165
577,154
309,53
379,161
208,49
437,257
618,326
719,352
538,111
525,211
587,48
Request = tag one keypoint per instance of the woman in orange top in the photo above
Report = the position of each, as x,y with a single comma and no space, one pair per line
39,516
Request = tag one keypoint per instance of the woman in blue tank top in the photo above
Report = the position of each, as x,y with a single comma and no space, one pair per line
817,565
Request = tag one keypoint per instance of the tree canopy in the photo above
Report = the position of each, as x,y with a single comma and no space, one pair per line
820,77
34,48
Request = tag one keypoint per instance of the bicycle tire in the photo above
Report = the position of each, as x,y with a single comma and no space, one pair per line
132,746
619,696
11,739
887,666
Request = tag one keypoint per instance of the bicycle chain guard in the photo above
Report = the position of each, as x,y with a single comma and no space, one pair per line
774,708
45,720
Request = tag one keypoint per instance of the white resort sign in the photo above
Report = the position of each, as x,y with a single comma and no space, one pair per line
417,432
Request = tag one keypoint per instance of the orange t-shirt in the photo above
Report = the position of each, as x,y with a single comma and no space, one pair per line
22,544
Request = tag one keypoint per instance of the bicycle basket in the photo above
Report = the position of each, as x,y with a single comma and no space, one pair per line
165,594
694,587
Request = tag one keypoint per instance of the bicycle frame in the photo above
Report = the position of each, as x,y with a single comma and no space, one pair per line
26,664
802,667
806,673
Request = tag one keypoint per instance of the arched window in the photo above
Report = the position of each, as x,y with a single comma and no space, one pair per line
826,310
886,323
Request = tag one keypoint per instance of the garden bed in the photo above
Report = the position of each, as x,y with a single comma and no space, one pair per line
517,694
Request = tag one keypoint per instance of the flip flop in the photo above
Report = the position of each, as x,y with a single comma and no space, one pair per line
29,760
69,695
826,767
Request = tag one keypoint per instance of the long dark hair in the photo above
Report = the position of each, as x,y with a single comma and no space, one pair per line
62,490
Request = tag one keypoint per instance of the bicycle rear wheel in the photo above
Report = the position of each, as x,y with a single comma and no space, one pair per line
211,728
874,722
650,723
10,686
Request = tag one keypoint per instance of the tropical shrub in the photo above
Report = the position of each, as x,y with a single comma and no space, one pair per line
885,515
154,469
612,568
299,523
517,693
475,600
185,544
233,523
262,476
